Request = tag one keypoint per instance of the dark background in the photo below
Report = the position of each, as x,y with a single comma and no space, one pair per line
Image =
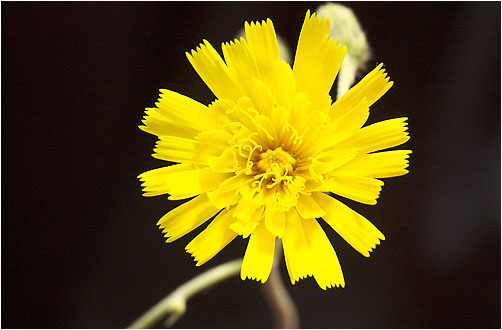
80,248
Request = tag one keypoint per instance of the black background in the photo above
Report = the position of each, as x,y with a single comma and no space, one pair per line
80,248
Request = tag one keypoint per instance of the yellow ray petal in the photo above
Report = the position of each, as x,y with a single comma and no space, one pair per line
218,138
181,150
247,217
239,61
153,180
259,255
308,208
224,163
245,209
360,189
190,183
157,124
361,234
328,161
219,108
214,72
181,181
233,183
245,113
327,270
263,47
312,128
347,123
213,239
265,196
318,59
383,164
373,86
223,199
296,251
185,111
244,227
274,73
245,72
378,136
186,217
275,221
282,82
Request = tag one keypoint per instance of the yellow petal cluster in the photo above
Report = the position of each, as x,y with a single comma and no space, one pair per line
261,160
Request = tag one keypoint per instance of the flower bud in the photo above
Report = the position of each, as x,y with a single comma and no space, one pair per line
346,29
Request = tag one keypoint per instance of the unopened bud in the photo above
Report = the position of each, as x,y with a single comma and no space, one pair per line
345,29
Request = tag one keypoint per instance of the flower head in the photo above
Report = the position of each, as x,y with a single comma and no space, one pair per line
260,160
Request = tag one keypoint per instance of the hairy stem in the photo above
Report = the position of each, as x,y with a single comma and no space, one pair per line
175,303
347,75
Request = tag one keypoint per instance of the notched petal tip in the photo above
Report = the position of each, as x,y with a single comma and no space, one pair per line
196,259
200,47
373,247
167,235
331,285
243,229
245,276
170,238
299,278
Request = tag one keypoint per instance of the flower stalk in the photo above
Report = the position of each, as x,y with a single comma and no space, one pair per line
175,303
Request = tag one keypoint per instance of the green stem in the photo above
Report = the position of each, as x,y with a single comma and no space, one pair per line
175,303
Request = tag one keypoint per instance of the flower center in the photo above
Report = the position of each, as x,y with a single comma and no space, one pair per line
277,163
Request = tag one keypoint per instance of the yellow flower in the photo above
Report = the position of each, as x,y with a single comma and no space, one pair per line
260,160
